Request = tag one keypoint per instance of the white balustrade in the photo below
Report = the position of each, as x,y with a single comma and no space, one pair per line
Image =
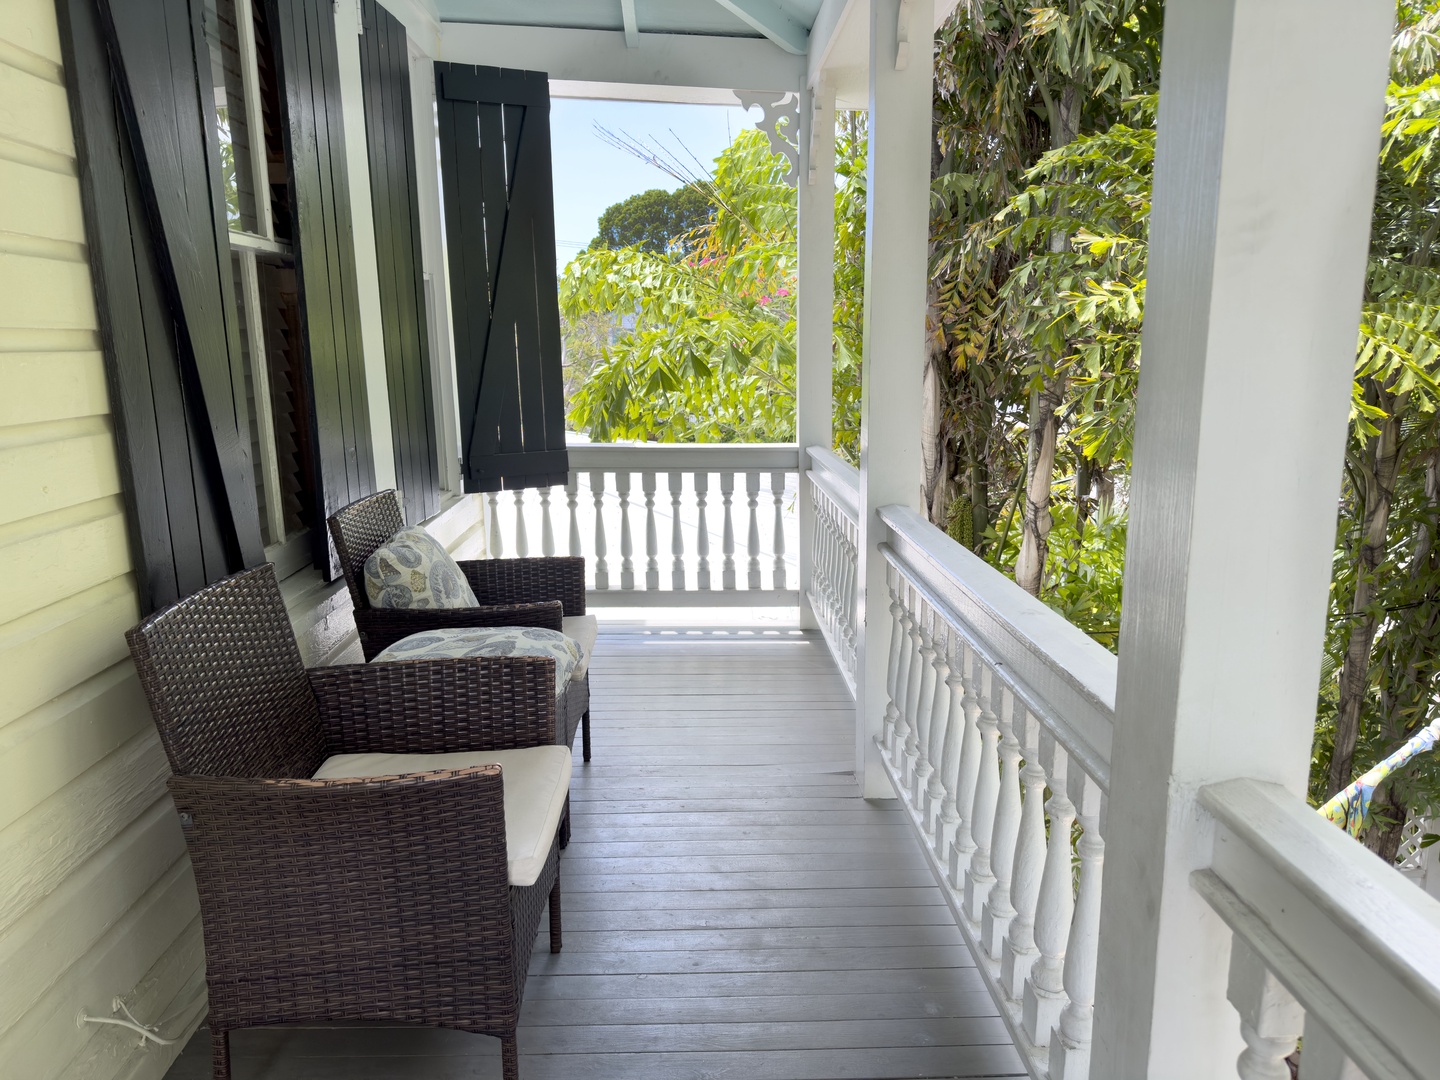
834,493
995,774
601,498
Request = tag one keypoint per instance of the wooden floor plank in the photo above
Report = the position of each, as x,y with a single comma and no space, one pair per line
732,908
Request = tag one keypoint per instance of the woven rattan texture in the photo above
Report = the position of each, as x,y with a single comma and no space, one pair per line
382,627
360,528
382,899
438,706
226,683
527,581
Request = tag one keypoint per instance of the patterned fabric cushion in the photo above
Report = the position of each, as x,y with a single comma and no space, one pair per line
412,570
490,641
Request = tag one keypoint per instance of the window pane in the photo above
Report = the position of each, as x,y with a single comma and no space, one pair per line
231,122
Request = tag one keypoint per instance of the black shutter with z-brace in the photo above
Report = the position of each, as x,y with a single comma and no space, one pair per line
500,237
138,74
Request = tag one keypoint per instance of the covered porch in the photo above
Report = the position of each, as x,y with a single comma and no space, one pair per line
732,908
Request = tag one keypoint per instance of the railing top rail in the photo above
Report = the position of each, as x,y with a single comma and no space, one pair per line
1064,676
1357,944
827,461
684,457
844,496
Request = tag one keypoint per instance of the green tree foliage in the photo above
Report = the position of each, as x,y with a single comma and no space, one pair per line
706,347
653,221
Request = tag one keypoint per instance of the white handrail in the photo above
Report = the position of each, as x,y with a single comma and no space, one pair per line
1350,949
1063,675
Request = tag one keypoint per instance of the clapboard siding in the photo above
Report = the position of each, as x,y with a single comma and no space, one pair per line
94,888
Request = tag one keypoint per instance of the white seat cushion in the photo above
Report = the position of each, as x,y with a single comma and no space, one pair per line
536,780
457,642
583,630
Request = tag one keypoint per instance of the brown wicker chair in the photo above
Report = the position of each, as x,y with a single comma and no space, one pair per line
377,899
512,592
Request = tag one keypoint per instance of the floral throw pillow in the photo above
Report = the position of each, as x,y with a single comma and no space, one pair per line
412,570
490,641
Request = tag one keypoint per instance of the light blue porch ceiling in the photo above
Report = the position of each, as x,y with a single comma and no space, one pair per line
709,17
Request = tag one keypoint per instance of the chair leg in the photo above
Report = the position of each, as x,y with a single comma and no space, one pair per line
585,733
510,1058
555,939
220,1054
564,836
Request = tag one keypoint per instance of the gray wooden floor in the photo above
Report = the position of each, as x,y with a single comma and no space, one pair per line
732,908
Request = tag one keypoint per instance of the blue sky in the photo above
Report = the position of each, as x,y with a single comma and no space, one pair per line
591,175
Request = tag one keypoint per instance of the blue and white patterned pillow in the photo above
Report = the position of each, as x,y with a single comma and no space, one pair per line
412,570
490,641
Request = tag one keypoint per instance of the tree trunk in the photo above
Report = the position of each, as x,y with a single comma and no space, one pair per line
978,478
1378,476
1040,473
1064,115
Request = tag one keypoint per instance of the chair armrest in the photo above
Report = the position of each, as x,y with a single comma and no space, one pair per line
361,897
437,706
524,581
382,627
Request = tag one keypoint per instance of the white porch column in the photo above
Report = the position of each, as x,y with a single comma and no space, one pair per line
815,302
897,222
1257,258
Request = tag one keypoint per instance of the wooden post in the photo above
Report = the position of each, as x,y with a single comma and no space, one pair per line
1258,242
814,304
897,223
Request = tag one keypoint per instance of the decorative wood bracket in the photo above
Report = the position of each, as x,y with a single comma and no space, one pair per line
777,107
902,36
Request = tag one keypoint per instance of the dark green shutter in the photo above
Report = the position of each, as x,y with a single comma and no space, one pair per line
500,238
137,72
390,135
324,259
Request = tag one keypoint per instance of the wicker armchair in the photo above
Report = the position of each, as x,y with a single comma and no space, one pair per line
382,898
547,592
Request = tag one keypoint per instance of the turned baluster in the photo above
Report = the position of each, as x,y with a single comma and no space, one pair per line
727,532
522,541
892,667
924,712
1271,1020
777,493
980,878
547,529
1045,990
752,537
1070,1042
1018,953
962,848
572,496
702,534
597,492
849,553
677,537
902,678
998,909
496,547
949,818
627,547
912,692
652,545
934,793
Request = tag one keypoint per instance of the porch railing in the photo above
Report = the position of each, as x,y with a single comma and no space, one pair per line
997,738
687,503
833,487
